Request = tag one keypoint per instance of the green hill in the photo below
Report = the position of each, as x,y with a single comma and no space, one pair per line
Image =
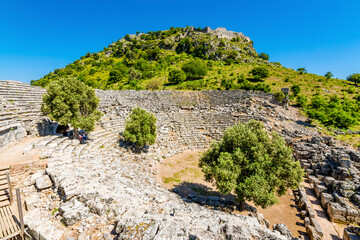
204,59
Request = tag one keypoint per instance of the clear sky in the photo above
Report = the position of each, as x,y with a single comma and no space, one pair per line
37,37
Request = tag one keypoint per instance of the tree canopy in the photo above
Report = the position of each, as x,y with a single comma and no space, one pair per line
253,163
354,78
70,101
140,127
195,69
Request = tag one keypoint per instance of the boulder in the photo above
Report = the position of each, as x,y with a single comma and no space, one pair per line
73,211
43,182
32,202
282,229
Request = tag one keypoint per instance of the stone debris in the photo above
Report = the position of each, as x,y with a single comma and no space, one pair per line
43,182
73,211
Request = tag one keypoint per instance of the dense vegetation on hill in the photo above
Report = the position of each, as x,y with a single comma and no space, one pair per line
189,59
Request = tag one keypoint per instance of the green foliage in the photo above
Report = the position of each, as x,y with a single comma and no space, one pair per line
253,163
176,76
264,56
195,69
334,112
295,89
301,100
328,75
70,101
259,73
279,96
302,70
354,78
140,127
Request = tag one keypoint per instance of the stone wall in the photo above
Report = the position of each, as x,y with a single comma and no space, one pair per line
185,119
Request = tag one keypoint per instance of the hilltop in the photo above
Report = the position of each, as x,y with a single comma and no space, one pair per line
204,59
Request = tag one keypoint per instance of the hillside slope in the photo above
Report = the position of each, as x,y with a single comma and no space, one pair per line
204,59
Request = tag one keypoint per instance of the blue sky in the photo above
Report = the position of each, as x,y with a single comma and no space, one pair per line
38,36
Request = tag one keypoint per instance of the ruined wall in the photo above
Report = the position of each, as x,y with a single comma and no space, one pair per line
184,118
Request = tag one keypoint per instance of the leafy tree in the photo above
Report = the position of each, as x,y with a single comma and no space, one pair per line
295,89
70,101
302,70
354,78
176,76
260,73
253,163
140,127
195,69
264,56
328,75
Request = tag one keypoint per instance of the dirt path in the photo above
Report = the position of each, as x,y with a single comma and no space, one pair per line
182,171
14,154
332,231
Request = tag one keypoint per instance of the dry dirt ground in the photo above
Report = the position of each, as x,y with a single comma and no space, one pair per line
182,171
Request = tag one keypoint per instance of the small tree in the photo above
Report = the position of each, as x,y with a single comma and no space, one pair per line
176,76
70,101
195,69
140,127
264,56
302,70
328,75
260,73
253,163
354,78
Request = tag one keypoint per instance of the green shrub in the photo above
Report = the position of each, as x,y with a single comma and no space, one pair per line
264,56
195,69
279,96
301,100
260,73
295,89
176,76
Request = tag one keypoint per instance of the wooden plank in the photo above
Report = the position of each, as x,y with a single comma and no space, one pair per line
9,214
4,203
21,216
4,197
4,187
3,182
10,189
3,223
8,220
13,235
14,223
4,171
1,229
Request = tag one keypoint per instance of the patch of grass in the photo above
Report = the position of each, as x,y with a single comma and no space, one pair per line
170,179
102,146
54,211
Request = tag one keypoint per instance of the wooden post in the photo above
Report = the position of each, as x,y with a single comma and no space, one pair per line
21,217
10,189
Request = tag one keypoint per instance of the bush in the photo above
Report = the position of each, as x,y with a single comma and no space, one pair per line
295,89
176,76
279,96
264,56
253,163
328,75
260,73
140,127
301,100
195,69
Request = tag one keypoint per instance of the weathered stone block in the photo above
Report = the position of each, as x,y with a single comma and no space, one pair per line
73,211
311,231
43,182
319,188
336,212
326,198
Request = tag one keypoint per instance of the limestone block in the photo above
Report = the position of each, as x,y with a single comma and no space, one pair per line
336,212
312,233
73,211
40,227
32,202
329,181
307,221
317,227
319,188
282,229
325,198
43,182
35,176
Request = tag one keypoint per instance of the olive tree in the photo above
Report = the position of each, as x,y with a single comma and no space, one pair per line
253,163
70,101
140,127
